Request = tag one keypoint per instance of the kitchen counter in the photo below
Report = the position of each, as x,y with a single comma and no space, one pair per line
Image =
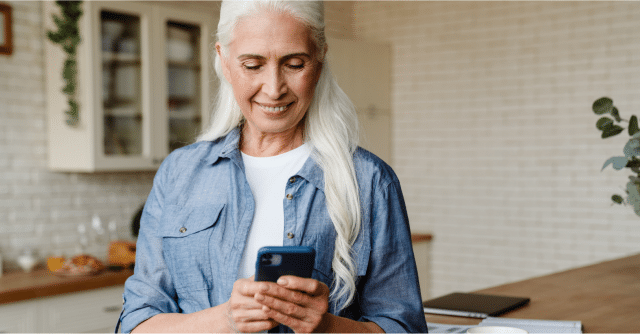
18,286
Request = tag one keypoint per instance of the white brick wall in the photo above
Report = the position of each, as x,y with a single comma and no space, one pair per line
494,139
338,17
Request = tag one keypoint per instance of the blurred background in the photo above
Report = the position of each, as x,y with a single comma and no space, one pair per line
487,121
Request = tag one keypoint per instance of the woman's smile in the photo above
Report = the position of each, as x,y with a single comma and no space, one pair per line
274,110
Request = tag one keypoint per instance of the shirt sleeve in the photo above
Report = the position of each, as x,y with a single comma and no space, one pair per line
150,290
390,293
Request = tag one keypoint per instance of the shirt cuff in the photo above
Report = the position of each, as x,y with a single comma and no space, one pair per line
387,325
135,318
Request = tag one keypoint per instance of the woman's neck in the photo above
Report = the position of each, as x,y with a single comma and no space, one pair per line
259,144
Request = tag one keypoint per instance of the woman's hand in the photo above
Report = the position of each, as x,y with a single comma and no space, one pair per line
299,303
244,313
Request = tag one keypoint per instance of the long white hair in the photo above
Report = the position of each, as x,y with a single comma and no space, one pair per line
331,129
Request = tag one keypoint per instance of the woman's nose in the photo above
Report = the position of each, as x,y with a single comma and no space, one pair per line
274,84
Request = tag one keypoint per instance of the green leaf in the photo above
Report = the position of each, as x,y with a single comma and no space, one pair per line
617,199
59,21
604,122
611,131
54,37
618,163
69,69
616,115
634,162
633,125
602,105
634,197
632,148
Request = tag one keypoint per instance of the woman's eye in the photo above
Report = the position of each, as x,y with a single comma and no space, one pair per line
251,66
295,66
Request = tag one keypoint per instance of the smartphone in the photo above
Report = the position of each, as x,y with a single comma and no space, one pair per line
273,262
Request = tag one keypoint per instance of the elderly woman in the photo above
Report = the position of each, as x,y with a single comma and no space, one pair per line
279,165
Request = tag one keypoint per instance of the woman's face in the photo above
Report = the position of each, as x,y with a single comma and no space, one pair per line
272,66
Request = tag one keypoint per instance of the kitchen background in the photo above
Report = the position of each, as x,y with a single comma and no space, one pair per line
493,137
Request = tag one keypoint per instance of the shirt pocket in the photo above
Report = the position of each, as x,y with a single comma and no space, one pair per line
186,234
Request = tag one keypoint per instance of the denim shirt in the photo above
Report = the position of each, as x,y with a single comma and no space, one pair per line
196,221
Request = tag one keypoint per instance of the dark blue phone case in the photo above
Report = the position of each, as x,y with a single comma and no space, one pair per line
295,260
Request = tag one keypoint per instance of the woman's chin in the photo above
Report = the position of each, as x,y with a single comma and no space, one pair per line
270,126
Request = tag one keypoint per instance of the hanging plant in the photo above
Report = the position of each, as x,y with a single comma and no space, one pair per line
68,37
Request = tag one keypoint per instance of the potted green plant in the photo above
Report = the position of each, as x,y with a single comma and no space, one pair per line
611,125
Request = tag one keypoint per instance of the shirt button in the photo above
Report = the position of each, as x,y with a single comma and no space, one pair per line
290,235
292,179
183,229
289,196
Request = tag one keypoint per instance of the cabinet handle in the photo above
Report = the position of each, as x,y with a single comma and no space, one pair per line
112,309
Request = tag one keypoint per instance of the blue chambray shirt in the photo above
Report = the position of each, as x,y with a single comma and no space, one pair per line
196,221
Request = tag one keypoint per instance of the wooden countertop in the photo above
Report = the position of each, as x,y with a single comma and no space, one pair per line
605,297
18,286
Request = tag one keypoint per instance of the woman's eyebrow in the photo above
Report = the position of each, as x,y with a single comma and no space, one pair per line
293,55
250,55
285,57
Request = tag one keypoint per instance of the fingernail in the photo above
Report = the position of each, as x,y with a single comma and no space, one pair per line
258,296
282,281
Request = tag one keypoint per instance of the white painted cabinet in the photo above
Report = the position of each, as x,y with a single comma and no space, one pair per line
94,311
143,85
19,317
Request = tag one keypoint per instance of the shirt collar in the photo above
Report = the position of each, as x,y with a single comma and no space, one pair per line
230,148
231,143
312,172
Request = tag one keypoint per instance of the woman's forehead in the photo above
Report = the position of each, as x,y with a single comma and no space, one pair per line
271,34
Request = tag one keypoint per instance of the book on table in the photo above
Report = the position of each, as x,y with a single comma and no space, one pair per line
473,305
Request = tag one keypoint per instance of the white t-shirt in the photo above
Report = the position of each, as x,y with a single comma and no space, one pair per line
268,177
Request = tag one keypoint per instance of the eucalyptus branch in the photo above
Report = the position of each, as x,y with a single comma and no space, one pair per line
631,150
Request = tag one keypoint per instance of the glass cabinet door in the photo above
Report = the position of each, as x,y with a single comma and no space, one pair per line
121,83
144,82
183,82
